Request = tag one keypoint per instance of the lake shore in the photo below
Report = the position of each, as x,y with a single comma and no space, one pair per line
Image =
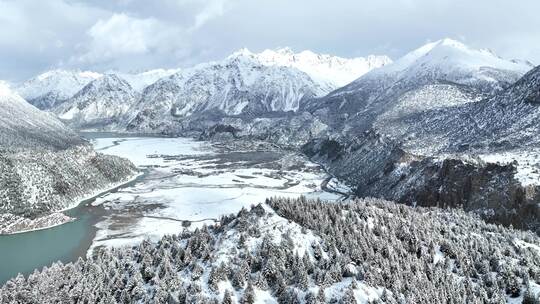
13,224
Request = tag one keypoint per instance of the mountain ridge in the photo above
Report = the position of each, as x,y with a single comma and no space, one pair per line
23,126
449,67
46,167
102,102
331,70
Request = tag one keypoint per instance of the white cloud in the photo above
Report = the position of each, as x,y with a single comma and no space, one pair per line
210,10
131,40
38,35
132,34
122,35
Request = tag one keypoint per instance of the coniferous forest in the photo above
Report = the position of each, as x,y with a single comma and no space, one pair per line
306,251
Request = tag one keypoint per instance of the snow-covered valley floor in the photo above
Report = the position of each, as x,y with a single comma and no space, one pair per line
190,183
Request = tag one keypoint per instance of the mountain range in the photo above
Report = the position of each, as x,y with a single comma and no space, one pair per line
244,82
346,95
417,131
330,71
48,89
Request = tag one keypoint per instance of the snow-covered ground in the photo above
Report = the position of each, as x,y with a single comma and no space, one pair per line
275,228
191,183
528,163
11,224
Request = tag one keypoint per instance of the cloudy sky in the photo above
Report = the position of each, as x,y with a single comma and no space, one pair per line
132,35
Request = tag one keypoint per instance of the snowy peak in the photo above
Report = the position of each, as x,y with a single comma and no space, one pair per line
239,84
459,53
243,52
139,81
58,74
107,83
450,56
435,76
49,88
444,61
99,104
332,70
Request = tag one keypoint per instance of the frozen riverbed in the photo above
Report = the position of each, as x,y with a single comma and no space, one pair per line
190,183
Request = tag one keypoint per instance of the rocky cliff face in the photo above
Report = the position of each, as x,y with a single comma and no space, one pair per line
377,166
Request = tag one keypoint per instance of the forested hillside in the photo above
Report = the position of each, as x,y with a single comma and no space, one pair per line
46,167
303,251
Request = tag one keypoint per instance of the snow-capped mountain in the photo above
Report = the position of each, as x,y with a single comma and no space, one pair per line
443,61
437,75
52,87
243,83
452,61
329,71
474,96
23,125
139,81
442,98
101,102
239,84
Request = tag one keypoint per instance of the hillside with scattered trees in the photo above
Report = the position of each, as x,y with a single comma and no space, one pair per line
46,167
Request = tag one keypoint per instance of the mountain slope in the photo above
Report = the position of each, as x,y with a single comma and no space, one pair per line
46,167
100,103
24,126
52,87
513,115
506,120
240,84
436,75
